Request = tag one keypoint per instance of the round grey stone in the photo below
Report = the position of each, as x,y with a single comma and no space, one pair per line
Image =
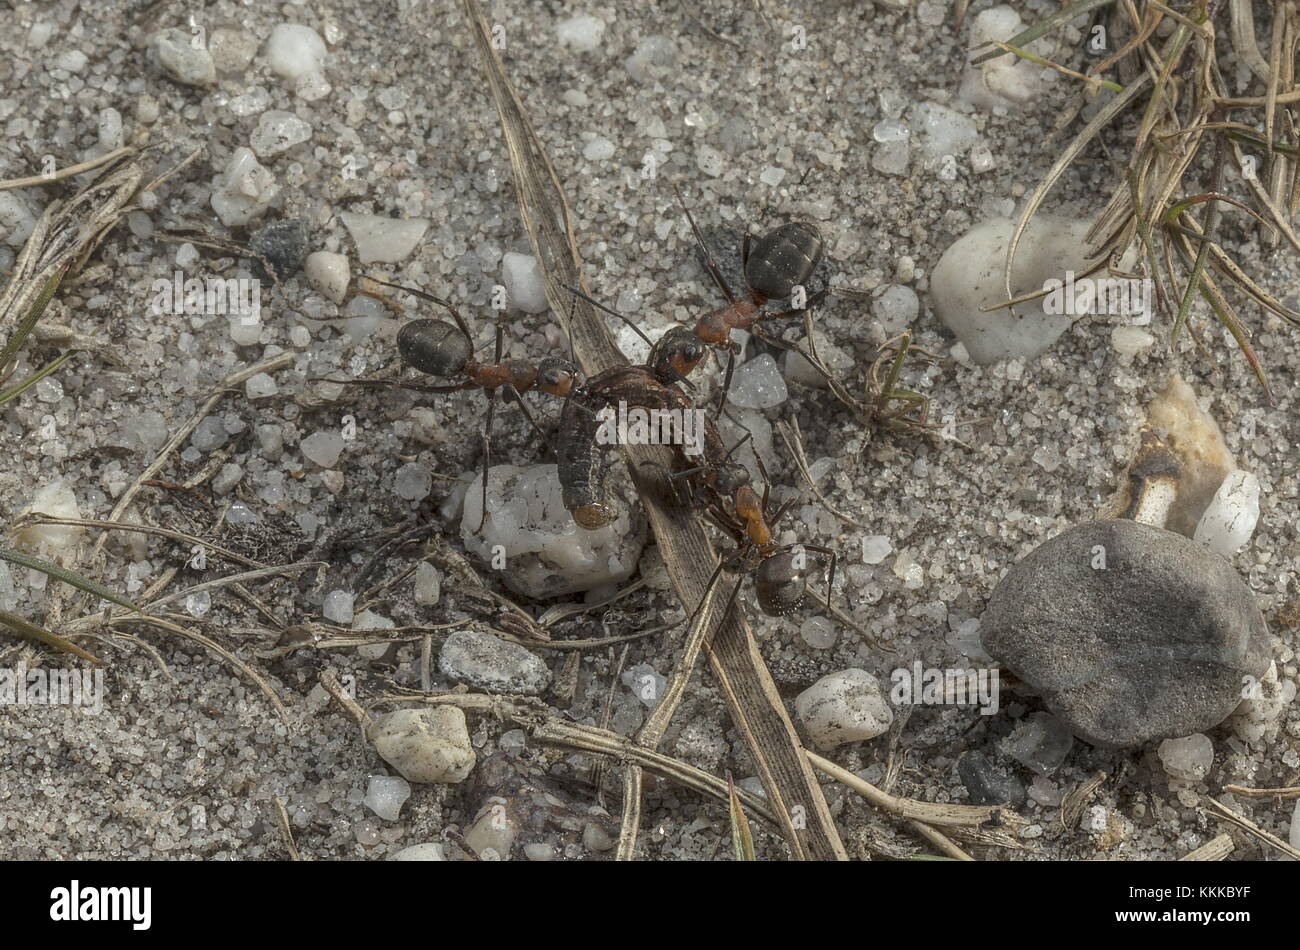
485,662
1130,633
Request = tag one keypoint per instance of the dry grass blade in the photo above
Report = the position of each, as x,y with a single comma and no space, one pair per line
1099,121
928,812
939,840
1242,15
66,234
1216,849
1242,791
756,707
31,631
257,679
1241,821
532,715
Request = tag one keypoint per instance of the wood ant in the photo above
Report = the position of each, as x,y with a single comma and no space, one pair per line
446,351
775,266
779,571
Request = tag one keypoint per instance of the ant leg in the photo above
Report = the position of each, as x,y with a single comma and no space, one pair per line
487,429
710,264
395,383
811,302
708,590
731,601
613,313
726,381
830,577
743,439
519,400
744,249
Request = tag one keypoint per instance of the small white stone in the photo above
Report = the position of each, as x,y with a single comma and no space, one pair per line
425,745
758,384
110,129
819,633
875,548
246,330
1006,80
323,448
1259,715
198,604
652,55
243,190
580,33
709,160
383,240
891,158
969,277
598,150
261,386
1129,341
337,607
896,308
385,796
225,480
545,553
1187,759
329,273
1230,518
843,707
941,130
181,59
429,851
522,278
369,620
278,131
293,50
428,584
16,219
57,500
772,176
74,61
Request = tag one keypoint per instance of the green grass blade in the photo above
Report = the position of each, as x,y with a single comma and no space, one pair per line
1046,25
28,322
68,577
742,839
9,395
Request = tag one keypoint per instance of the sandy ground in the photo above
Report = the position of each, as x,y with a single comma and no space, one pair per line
187,756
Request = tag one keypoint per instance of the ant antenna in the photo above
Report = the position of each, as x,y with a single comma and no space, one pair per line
613,313
710,264
446,304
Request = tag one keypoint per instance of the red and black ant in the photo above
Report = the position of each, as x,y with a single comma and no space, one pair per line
776,265
779,571
446,351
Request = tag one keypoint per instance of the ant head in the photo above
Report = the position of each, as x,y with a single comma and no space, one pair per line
676,354
556,376
434,347
783,258
730,478
780,583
